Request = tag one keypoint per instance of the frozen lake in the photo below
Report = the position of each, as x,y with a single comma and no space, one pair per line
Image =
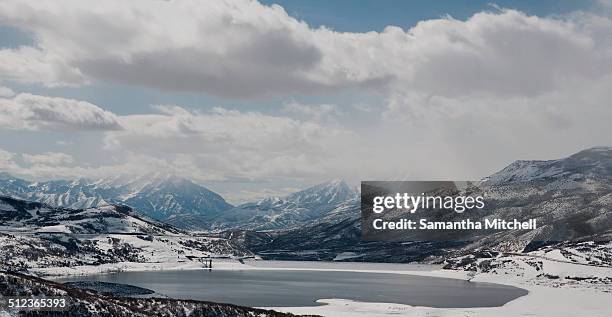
287,288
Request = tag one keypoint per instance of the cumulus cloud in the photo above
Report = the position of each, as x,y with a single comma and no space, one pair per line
34,112
239,48
242,48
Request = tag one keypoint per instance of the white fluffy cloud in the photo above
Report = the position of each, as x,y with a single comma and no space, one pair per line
34,112
230,48
36,65
242,48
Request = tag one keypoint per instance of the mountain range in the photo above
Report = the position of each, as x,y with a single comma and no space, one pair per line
158,196
573,195
185,204
329,201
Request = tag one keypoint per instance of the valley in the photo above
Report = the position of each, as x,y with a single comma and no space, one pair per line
318,225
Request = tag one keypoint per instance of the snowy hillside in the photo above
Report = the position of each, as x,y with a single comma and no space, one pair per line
34,235
85,303
578,265
594,163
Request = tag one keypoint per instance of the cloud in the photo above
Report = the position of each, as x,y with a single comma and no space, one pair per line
56,165
219,145
239,48
313,111
64,143
6,92
49,158
460,98
7,162
215,145
36,65
39,113
224,144
244,49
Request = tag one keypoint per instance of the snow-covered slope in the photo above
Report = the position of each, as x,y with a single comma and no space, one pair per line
594,163
159,196
570,197
23,216
312,204
36,235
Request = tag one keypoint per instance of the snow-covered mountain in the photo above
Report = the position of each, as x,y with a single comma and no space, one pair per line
570,197
158,196
34,217
185,204
594,164
326,200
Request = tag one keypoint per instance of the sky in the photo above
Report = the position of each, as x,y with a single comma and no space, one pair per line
253,99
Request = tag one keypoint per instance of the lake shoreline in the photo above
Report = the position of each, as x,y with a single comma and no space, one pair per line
290,287
226,264
542,300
